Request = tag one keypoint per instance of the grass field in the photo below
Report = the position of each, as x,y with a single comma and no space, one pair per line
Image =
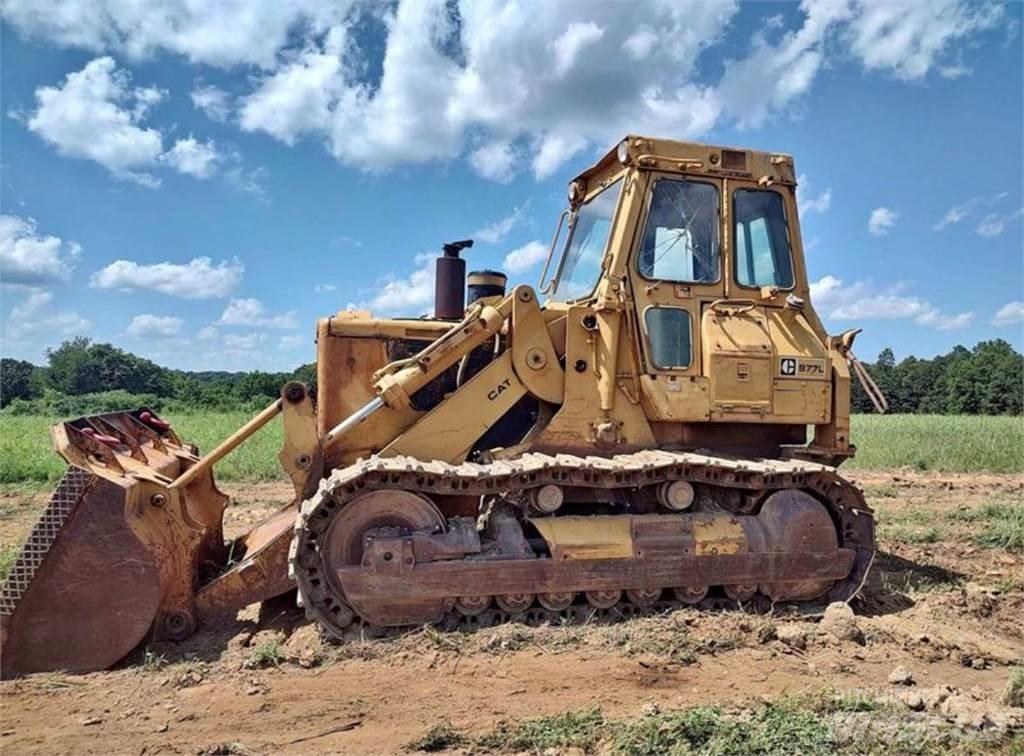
923,442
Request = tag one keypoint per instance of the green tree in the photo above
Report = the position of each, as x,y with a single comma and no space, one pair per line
16,380
81,367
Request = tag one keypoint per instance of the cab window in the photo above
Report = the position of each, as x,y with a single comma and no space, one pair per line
668,331
761,241
589,228
680,241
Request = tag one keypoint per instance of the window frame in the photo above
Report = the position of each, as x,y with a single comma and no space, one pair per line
650,343
734,242
647,217
573,224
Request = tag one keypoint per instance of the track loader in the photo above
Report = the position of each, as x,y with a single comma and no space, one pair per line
663,429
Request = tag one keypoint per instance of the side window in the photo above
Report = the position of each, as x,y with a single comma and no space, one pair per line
680,241
668,330
763,256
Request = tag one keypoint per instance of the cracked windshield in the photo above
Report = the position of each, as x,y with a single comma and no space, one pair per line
681,237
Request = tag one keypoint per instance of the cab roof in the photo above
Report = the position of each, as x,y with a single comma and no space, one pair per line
651,153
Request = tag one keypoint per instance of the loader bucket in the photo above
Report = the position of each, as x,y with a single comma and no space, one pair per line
117,553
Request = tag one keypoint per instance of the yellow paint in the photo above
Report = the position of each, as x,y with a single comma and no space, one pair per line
718,534
587,537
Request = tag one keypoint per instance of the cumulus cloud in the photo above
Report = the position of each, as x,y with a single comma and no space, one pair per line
33,319
148,326
96,114
219,34
496,161
213,101
507,85
882,220
499,229
251,312
28,258
292,341
192,157
322,288
909,39
1010,313
525,257
196,279
808,204
411,295
864,301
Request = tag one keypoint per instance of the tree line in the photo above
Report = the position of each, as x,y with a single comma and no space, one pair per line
82,377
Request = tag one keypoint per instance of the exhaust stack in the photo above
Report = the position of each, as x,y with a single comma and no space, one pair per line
450,282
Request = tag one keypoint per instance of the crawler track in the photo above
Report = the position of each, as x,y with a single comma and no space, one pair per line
752,479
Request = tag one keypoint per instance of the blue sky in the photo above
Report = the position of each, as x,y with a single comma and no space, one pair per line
199,182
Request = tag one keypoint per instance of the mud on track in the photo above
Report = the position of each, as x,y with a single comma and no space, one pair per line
940,603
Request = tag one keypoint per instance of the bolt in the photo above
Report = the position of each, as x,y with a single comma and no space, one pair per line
158,500
579,366
303,461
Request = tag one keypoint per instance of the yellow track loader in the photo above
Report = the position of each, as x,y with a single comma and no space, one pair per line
657,425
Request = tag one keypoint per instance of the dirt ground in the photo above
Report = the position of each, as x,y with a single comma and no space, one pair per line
949,610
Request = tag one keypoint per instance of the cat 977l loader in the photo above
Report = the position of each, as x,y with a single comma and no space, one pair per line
662,430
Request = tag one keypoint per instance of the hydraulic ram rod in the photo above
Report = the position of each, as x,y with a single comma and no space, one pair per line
227,446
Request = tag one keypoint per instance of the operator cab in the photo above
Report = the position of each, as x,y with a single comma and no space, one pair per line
700,247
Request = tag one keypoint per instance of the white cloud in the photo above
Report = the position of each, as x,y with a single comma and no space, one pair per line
882,220
154,326
97,115
966,208
575,39
525,257
208,333
252,181
298,97
807,204
30,259
774,75
411,295
641,43
1010,313
251,312
994,224
553,150
215,33
863,301
322,288
192,157
197,279
243,342
496,161
213,101
292,341
908,39
32,320
507,83
497,231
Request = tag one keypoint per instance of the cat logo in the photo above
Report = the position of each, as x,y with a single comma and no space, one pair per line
796,367
500,389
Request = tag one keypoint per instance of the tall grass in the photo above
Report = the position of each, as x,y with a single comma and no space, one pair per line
948,443
924,442
27,456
